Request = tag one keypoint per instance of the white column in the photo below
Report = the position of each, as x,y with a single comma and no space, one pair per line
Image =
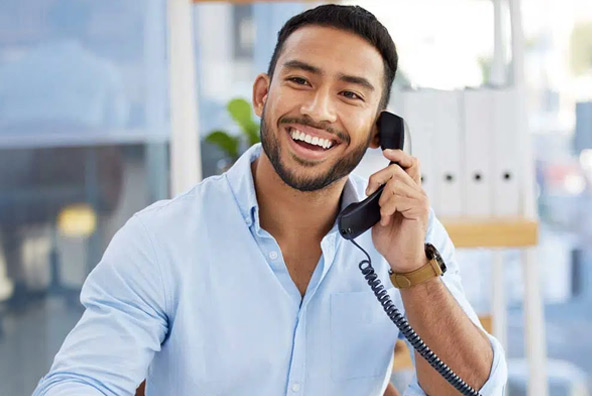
215,19
185,150
534,327
498,291
534,322
156,102
498,68
498,299
6,285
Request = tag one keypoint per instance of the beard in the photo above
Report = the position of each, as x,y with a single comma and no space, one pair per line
343,167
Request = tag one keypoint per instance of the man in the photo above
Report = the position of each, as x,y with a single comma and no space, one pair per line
243,285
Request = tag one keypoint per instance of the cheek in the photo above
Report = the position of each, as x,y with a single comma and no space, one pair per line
291,99
279,104
359,129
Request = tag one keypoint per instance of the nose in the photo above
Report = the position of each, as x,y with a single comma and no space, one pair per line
320,107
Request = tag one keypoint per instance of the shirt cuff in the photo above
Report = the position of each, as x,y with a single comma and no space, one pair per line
495,385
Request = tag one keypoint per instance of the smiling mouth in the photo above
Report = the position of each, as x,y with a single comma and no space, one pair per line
311,142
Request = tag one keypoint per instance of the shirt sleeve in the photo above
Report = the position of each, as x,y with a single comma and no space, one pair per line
496,383
124,324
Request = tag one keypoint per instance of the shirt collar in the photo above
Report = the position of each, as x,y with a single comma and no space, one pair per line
242,185
240,178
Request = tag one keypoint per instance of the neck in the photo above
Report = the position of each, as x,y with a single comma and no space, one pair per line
287,213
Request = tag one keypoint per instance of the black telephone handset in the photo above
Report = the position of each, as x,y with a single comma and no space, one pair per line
359,217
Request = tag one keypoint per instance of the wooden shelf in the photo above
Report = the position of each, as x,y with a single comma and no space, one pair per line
502,232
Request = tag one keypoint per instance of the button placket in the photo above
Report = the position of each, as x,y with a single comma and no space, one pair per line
296,376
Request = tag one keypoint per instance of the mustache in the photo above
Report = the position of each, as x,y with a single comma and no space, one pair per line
308,122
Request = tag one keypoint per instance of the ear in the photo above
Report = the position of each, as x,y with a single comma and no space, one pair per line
260,92
375,139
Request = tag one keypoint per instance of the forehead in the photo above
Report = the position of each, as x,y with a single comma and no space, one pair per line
334,51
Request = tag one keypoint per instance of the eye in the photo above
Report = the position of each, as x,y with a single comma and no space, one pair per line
351,95
298,80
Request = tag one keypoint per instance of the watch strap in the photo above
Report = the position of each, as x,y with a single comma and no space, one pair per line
428,271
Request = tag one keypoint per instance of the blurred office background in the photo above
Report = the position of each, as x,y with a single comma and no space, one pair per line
85,132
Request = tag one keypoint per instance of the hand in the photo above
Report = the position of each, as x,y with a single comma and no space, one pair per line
400,234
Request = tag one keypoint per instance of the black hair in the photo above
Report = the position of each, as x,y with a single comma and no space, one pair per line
353,19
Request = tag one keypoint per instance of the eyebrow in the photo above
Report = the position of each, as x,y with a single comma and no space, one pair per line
357,80
296,64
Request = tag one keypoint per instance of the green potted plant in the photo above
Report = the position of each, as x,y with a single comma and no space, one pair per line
233,145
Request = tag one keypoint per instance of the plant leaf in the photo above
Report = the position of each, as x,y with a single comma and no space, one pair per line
227,143
252,131
240,111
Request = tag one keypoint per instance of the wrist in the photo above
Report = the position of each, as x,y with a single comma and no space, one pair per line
409,265
432,267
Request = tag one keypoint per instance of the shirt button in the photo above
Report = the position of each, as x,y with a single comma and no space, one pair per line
295,387
273,255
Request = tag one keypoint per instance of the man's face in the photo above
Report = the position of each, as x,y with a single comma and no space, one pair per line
319,111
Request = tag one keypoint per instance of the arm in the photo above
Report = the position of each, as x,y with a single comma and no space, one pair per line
124,324
437,318
440,313
437,309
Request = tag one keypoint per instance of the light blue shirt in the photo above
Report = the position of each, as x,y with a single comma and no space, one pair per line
194,295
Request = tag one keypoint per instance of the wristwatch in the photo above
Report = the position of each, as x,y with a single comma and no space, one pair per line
435,267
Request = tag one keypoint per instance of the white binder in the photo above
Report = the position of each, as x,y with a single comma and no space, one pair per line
477,172
416,108
506,152
447,151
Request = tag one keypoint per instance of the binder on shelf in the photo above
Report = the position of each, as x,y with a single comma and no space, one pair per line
447,138
506,152
417,110
477,170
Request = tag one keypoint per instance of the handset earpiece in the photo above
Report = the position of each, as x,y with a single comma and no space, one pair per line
391,131
360,216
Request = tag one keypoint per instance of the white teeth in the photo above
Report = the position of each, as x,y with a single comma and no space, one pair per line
299,135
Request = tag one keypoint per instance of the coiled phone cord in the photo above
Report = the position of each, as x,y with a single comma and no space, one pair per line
410,334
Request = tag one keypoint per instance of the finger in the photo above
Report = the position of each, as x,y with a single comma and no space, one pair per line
410,164
379,178
400,157
395,186
408,207
411,175
396,204
392,173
